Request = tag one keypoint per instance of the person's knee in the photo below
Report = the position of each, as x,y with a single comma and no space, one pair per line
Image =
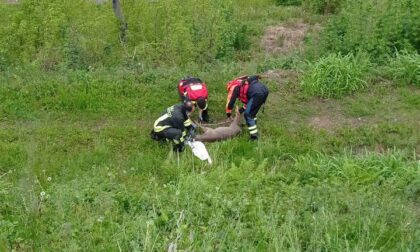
178,135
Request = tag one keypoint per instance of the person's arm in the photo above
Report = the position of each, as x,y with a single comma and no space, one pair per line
178,120
181,93
232,96
200,114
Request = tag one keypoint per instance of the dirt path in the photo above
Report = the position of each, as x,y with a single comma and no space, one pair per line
284,38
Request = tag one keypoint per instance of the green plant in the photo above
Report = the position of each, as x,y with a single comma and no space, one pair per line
405,68
323,6
336,75
379,28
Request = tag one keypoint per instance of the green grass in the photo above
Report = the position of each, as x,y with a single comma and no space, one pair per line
405,68
336,75
78,171
111,187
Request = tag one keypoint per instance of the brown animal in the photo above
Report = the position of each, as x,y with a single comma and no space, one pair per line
221,133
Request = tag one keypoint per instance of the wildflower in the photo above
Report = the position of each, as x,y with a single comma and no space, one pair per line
100,219
49,179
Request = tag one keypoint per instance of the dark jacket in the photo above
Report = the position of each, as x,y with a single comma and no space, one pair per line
174,117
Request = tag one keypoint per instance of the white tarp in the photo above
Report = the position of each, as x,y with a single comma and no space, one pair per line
199,150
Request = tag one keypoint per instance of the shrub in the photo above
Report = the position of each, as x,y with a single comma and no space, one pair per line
336,75
379,28
405,68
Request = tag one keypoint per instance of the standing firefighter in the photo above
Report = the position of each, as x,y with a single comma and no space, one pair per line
175,124
195,90
253,94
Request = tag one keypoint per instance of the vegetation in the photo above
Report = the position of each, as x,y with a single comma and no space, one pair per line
79,172
336,75
378,28
405,68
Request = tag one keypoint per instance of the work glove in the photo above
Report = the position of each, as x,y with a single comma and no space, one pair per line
229,115
241,110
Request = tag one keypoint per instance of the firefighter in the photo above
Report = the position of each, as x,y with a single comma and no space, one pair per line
175,125
196,91
253,94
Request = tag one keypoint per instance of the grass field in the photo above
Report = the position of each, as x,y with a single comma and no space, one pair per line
78,171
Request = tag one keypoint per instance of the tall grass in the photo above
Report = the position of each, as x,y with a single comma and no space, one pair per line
379,28
168,32
405,68
316,203
336,75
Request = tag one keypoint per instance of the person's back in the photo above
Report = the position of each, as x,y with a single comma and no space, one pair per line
256,88
195,90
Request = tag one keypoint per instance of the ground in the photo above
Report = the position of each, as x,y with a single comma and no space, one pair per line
327,174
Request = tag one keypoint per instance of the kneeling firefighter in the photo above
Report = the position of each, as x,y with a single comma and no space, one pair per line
175,125
253,94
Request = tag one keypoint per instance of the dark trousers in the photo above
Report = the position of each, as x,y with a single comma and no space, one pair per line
173,134
170,133
252,107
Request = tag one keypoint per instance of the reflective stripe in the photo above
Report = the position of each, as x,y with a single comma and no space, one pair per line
188,122
252,127
158,128
176,141
253,131
184,133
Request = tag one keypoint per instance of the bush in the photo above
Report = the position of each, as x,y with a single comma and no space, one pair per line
379,28
405,68
82,33
336,75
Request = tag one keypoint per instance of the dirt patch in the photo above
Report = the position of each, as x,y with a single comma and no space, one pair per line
284,38
281,76
322,122
331,121
329,116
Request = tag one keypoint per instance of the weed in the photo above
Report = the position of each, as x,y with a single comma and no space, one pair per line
336,75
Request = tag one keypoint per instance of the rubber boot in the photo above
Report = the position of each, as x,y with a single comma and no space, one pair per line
178,147
254,137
